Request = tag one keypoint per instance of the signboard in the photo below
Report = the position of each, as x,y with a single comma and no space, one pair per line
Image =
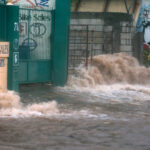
4,49
15,58
42,4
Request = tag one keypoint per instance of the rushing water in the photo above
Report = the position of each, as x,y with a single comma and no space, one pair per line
105,107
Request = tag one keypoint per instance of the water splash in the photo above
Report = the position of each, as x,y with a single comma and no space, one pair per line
111,69
9,100
10,105
117,78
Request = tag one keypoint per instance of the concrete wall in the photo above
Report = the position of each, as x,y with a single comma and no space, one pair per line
111,32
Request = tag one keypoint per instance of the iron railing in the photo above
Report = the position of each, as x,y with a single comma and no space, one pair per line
86,41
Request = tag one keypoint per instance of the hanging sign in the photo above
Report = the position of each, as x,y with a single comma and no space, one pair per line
15,58
4,49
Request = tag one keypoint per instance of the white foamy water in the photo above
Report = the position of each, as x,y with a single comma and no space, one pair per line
118,77
114,78
111,69
11,106
115,92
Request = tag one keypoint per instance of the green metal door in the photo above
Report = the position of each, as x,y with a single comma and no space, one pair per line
35,29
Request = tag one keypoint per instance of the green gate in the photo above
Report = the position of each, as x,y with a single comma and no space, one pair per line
38,43
35,32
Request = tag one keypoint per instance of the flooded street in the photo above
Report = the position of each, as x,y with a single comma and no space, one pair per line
84,121
112,116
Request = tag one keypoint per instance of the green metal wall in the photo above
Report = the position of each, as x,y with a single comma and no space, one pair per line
12,34
9,16
60,51
2,23
35,46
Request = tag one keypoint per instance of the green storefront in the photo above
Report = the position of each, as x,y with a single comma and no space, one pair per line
38,34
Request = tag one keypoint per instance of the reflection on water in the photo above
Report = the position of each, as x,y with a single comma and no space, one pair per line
85,115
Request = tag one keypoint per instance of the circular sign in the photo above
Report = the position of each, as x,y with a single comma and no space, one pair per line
38,29
31,43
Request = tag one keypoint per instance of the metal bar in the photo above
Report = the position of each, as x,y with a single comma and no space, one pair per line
86,62
92,46
83,40
68,52
45,10
134,6
78,5
29,19
112,44
125,2
106,5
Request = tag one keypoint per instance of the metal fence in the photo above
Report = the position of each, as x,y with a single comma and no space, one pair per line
86,41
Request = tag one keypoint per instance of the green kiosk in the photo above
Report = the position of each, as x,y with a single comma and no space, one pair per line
37,31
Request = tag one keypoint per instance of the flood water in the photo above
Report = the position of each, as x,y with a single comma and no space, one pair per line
88,114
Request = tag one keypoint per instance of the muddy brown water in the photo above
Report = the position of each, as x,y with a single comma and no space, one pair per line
84,122
85,115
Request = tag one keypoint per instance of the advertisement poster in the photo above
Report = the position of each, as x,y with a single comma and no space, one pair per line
42,4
